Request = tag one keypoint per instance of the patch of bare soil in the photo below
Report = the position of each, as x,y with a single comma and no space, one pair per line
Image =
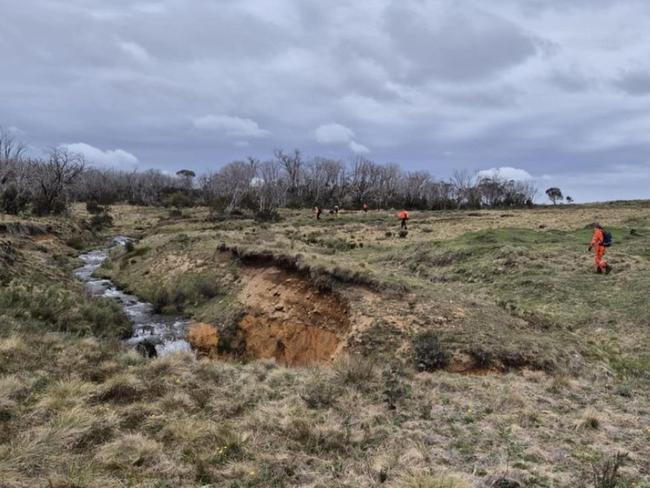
44,238
288,319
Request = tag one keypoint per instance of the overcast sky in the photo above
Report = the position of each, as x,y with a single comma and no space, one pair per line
554,90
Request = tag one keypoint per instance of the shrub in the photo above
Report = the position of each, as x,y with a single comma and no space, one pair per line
42,205
93,208
428,352
12,201
606,474
322,281
395,388
167,301
268,216
101,221
354,370
178,200
207,288
482,358
319,391
403,233
76,242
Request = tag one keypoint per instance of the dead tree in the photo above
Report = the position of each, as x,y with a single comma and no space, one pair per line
54,178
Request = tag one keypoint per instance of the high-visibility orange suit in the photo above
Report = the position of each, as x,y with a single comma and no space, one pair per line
599,250
403,215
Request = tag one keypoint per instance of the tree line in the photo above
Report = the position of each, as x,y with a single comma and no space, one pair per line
47,185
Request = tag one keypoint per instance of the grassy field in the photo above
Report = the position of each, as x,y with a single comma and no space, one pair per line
479,350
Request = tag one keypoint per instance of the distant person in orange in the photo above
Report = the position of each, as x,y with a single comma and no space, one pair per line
403,215
600,241
365,207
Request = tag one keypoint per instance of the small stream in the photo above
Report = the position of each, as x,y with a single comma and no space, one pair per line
163,332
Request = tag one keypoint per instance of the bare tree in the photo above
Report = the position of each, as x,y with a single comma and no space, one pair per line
231,184
269,189
465,189
325,181
414,188
361,184
10,148
263,187
54,178
292,164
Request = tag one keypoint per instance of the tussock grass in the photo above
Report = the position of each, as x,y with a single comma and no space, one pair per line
77,408
589,420
431,481
131,452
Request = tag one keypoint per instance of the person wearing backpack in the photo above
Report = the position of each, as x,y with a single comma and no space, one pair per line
600,241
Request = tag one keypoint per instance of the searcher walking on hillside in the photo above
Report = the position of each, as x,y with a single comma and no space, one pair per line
600,241
403,216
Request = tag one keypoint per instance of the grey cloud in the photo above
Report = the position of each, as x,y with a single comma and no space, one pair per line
544,86
454,44
572,80
634,82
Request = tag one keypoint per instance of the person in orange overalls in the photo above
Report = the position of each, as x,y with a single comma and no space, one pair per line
599,250
403,215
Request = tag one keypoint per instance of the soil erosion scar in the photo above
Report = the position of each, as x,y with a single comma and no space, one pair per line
289,319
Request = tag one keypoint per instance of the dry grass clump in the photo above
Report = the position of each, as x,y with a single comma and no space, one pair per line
12,387
121,389
39,449
352,369
204,338
589,420
65,394
12,349
432,481
130,452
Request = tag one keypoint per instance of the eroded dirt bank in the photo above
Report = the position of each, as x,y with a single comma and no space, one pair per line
289,320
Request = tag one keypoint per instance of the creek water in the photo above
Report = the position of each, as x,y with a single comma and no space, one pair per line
165,333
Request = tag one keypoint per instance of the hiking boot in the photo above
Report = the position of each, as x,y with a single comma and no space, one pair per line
608,269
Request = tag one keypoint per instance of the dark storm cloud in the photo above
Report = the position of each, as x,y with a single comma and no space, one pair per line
551,88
